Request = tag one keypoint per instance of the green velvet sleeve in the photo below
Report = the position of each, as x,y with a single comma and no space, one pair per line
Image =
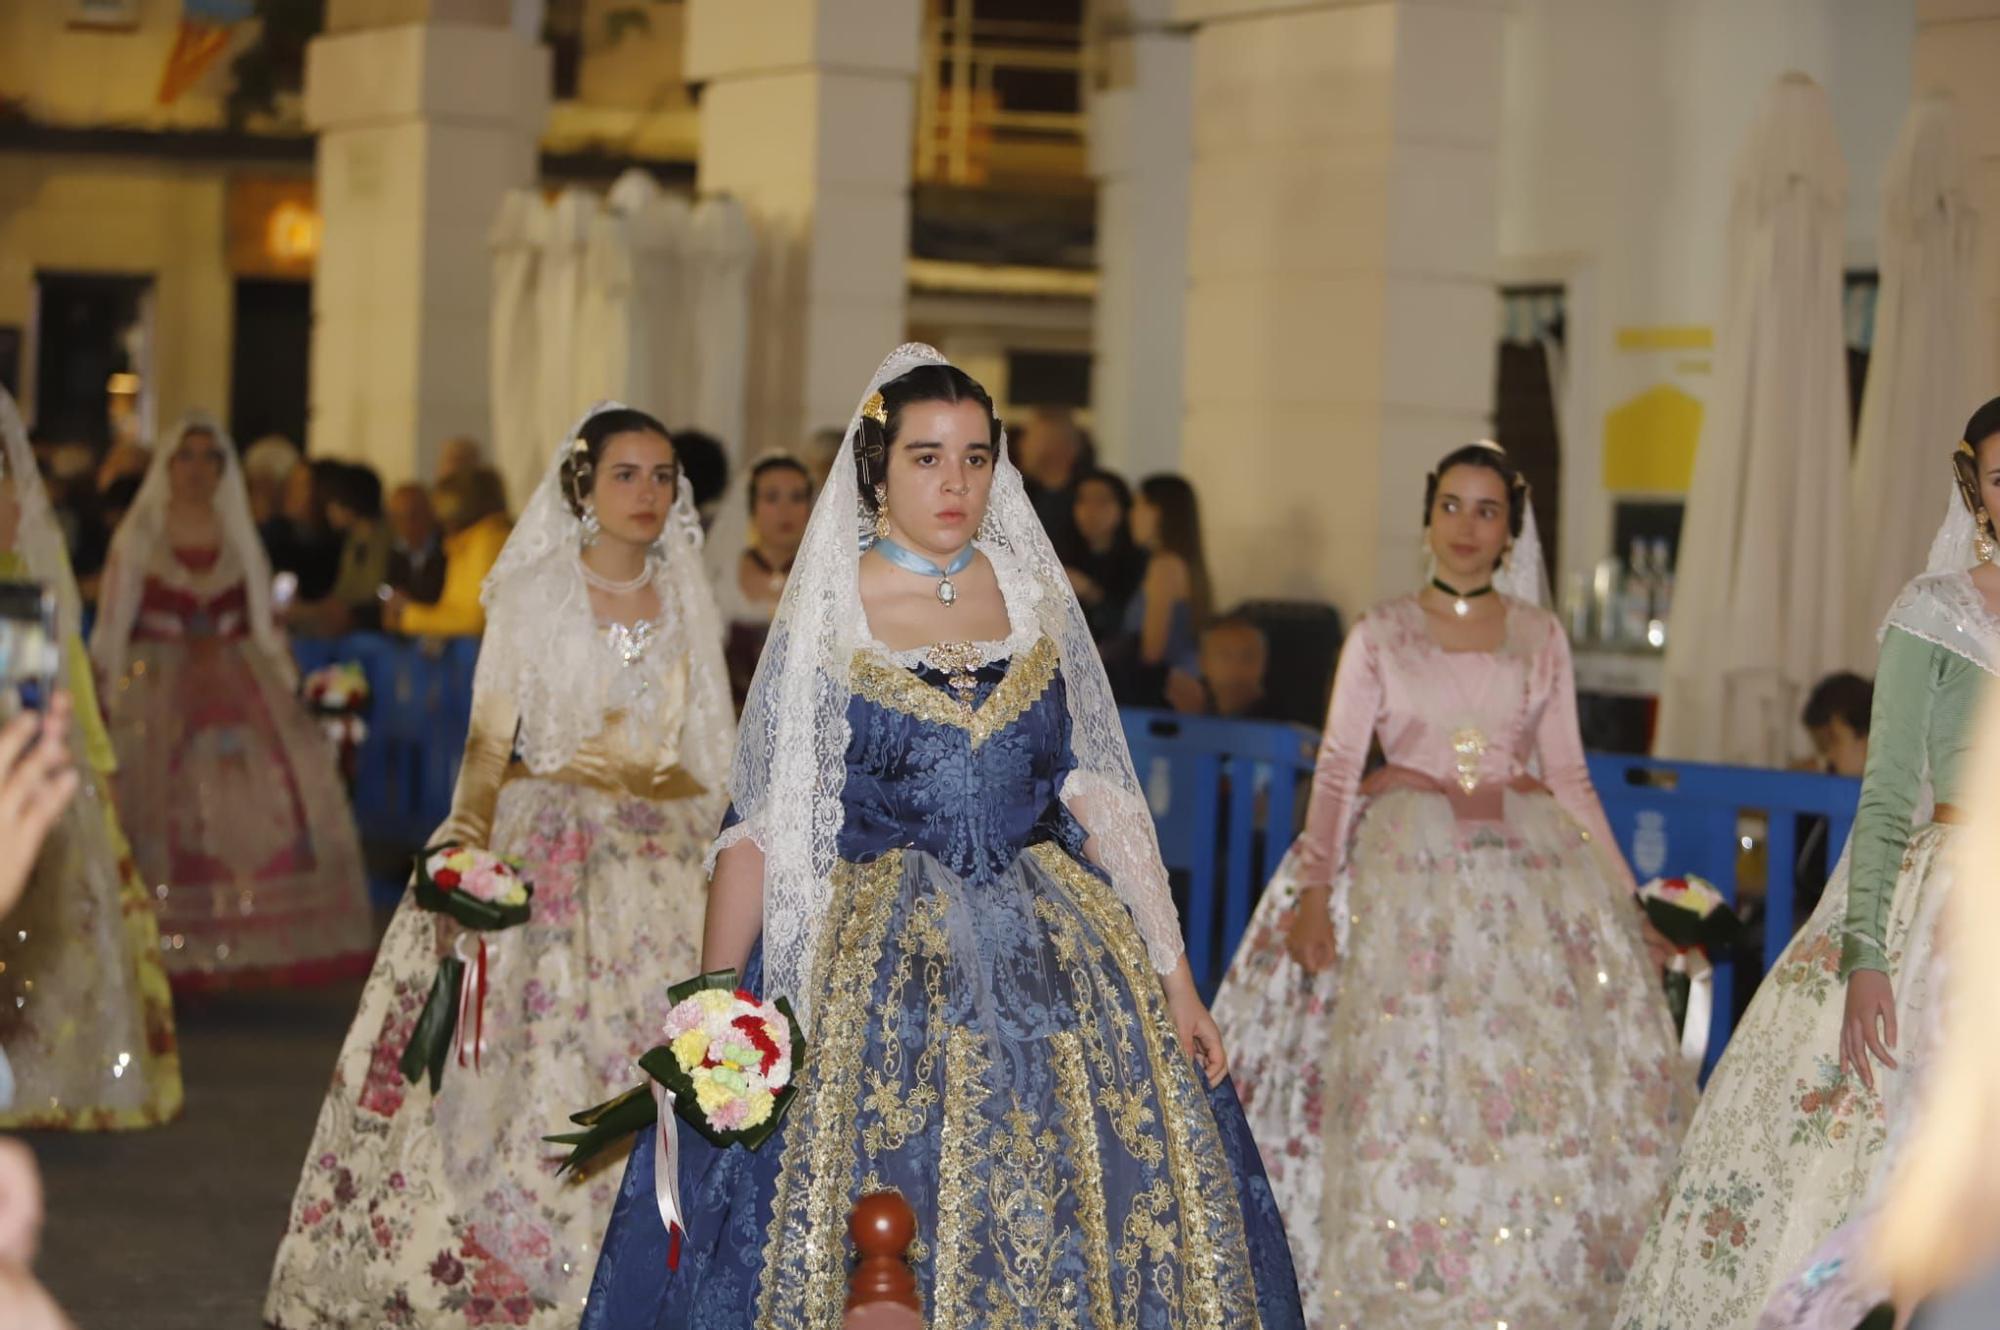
1906,681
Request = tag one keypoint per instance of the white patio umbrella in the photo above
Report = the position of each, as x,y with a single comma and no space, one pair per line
519,447
663,327
1759,604
722,246
1923,373
564,237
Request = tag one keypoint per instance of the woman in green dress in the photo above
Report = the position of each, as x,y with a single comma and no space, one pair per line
1802,1114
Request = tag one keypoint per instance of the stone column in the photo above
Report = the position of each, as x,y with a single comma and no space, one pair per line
1957,42
806,118
428,112
1341,305
1142,155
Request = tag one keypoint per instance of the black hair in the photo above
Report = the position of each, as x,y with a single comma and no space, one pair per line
356,488
120,493
1180,533
1494,460
782,462
579,469
1843,696
925,383
1110,479
1983,425
1236,618
706,462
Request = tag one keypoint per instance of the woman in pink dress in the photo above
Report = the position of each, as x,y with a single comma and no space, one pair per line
1452,1047
229,791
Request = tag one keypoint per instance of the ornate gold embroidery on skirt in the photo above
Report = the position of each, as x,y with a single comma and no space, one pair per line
962,1151
1080,1121
896,1118
805,1249
1219,1289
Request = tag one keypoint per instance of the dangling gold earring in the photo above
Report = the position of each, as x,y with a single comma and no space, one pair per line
1983,542
881,512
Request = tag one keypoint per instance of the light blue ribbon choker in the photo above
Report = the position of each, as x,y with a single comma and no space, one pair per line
947,594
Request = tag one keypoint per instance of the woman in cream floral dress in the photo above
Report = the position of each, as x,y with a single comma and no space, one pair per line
599,742
1467,1119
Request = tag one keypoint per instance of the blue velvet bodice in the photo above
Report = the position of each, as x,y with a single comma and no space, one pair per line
972,783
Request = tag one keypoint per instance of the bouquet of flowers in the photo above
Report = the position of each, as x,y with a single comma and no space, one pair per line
1693,915
339,695
484,893
727,1070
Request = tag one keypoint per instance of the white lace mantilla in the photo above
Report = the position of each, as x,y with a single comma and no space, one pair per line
1948,611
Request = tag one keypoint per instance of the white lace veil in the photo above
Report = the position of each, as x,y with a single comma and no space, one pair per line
543,646
1523,576
145,525
791,754
39,539
1942,606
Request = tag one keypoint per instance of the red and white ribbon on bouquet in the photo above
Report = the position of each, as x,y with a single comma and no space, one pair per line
472,985
667,1171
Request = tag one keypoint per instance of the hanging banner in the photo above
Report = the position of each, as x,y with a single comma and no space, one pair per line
205,31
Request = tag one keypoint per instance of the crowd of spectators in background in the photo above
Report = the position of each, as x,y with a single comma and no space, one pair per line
351,555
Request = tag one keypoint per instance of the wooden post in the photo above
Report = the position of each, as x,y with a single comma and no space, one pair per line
883,1292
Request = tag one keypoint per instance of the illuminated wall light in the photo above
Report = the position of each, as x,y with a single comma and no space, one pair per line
292,233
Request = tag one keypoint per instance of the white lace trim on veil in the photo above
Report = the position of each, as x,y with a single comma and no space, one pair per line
544,648
791,757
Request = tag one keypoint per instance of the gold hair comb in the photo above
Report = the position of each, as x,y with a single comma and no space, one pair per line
876,409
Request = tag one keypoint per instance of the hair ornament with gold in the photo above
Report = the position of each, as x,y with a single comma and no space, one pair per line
876,410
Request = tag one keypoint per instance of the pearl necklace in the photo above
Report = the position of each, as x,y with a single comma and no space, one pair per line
603,583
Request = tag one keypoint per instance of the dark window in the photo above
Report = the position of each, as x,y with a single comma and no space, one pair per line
89,326
268,383
1048,378
1524,405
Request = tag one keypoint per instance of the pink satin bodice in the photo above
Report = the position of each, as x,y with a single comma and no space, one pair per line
1472,720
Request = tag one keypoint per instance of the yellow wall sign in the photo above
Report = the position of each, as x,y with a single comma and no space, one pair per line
1649,442
1667,337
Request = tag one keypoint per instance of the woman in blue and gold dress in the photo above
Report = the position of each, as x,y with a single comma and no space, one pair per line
938,849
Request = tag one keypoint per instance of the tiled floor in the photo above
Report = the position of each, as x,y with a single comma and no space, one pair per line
174,1229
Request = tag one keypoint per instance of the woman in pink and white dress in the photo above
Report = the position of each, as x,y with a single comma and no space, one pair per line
226,786
1453,1049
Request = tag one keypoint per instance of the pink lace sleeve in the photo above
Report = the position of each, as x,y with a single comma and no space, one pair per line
1343,751
1559,744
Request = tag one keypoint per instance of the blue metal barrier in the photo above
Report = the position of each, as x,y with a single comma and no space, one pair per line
1240,779
1226,796
422,702
1676,818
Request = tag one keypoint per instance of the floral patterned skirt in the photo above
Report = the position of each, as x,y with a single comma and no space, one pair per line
414,1210
233,801
85,1015
1784,1147
1468,1121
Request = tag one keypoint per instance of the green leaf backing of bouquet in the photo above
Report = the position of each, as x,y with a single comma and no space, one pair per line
1722,930
430,1040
